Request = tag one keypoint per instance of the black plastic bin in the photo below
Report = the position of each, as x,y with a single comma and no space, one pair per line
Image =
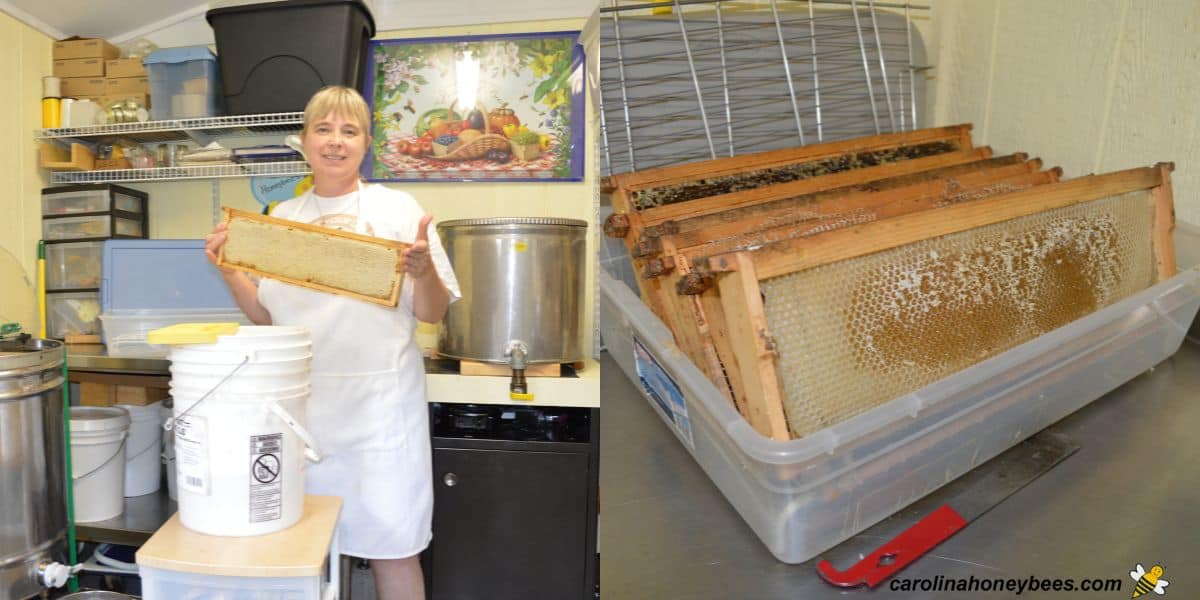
273,56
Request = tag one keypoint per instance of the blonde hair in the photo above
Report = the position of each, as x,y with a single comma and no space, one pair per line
337,100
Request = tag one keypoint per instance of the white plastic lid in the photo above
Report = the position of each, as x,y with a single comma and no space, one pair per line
99,418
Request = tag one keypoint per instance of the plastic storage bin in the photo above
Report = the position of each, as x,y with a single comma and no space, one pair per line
162,583
125,330
73,265
802,497
270,61
154,274
75,199
72,313
183,83
92,227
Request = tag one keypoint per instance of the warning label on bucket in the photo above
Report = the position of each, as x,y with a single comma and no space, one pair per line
266,482
191,446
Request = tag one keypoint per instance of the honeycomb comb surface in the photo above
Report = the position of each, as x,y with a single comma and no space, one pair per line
855,334
725,184
313,257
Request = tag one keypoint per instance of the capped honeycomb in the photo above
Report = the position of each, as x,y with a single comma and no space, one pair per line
726,184
857,333
303,255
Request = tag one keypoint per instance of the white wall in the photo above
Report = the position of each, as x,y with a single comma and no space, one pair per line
1089,85
24,60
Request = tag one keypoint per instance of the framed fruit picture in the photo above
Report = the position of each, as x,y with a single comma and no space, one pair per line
480,108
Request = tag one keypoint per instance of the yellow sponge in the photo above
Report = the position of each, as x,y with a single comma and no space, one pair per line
191,333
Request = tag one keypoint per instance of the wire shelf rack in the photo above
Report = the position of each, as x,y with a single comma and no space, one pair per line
691,80
182,173
183,129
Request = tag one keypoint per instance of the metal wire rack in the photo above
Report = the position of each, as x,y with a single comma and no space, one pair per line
180,173
691,80
201,129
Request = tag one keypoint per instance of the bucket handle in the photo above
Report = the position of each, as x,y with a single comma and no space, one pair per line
310,445
124,438
170,423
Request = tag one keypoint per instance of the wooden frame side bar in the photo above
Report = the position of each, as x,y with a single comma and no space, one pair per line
753,348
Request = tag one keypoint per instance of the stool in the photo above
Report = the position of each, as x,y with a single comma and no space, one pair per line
299,562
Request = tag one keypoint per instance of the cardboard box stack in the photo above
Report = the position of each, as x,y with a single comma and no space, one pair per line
92,69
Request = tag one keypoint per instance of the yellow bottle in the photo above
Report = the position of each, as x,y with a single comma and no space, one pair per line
51,113
51,102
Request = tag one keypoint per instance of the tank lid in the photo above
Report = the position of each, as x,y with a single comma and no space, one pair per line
98,418
24,352
513,221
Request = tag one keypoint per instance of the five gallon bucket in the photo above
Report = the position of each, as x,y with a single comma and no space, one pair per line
239,444
99,438
143,463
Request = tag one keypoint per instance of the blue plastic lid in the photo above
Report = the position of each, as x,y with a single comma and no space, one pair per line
179,55
159,274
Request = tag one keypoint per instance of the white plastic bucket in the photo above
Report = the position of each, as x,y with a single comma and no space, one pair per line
168,452
98,441
239,443
143,464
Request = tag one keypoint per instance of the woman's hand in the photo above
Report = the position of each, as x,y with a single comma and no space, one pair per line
417,261
213,243
430,296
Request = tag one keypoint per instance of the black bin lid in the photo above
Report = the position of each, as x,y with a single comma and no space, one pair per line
290,4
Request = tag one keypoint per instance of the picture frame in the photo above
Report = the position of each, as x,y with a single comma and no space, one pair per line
525,122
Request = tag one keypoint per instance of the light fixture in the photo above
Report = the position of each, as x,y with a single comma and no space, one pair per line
466,72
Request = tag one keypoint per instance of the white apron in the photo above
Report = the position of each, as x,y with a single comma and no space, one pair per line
367,411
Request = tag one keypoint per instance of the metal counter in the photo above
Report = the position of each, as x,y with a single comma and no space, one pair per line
143,515
1129,495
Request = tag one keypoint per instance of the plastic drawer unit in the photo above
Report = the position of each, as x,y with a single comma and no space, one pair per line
73,266
93,227
72,313
77,199
804,496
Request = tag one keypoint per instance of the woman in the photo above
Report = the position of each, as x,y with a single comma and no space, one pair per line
367,410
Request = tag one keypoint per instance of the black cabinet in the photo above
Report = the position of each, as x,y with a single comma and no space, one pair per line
514,518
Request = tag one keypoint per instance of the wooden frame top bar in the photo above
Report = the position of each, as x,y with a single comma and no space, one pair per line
759,160
789,256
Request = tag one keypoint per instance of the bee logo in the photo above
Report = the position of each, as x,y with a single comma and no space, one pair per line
1147,581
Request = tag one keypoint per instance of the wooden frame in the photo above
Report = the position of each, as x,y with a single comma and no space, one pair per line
960,134
737,274
396,247
630,224
779,207
697,316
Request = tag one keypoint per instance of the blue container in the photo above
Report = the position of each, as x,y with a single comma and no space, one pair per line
160,274
184,83
148,284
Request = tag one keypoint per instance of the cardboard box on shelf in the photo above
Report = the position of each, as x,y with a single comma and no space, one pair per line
105,389
84,48
79,67
76,87
126,85
124,67
106,394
